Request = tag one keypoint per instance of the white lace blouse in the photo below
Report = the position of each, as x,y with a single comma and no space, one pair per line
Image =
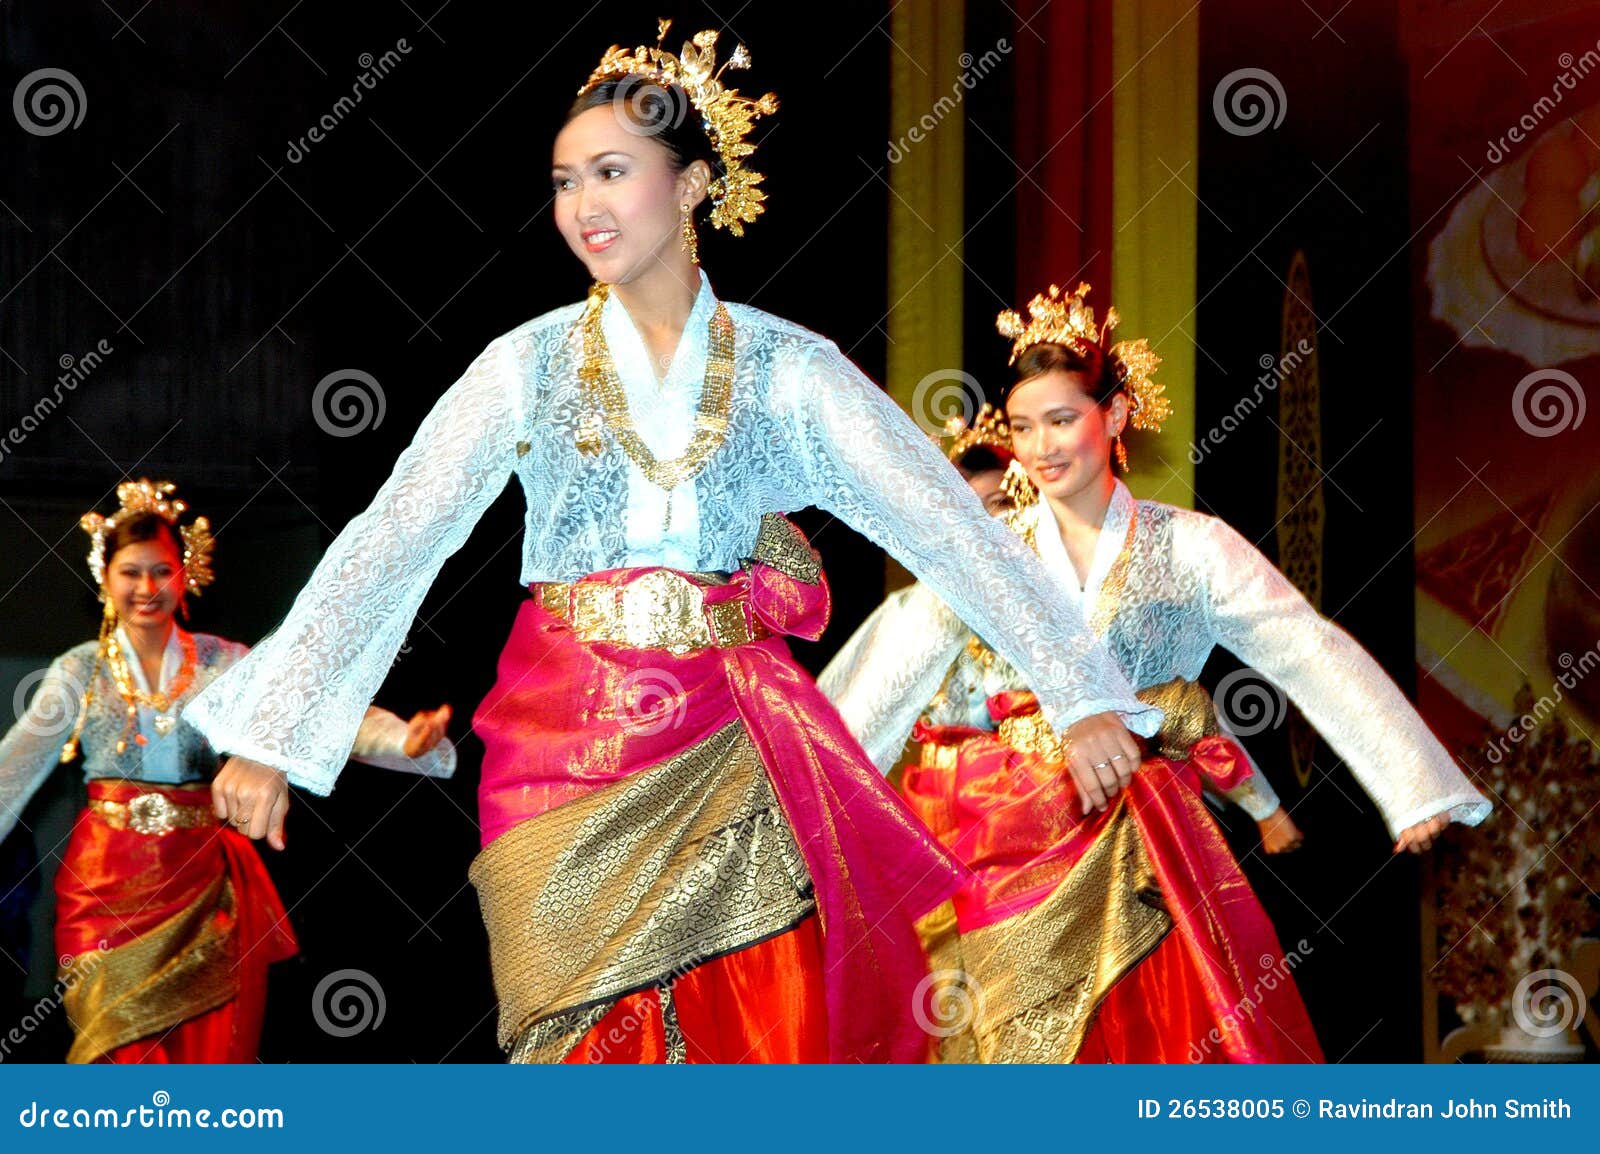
1187,583
806,427
31,749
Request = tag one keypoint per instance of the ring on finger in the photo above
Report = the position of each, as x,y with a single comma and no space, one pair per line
1101,764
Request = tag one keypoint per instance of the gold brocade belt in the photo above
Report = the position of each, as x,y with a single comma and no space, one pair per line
661,610
153,814
1189,716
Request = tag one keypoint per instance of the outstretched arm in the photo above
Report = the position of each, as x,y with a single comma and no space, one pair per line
32,747
290,710
1260,616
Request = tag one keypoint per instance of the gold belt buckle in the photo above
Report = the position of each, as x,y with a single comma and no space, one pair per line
152,814
663,610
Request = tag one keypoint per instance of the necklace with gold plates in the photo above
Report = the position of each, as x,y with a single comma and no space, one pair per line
608,402
160,701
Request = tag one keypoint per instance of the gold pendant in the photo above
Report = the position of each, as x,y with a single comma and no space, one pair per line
164,724
590,442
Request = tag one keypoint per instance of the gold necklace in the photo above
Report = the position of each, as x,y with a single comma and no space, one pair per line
606,397
161,701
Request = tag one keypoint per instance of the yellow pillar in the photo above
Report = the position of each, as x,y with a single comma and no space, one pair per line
926,171
1155,175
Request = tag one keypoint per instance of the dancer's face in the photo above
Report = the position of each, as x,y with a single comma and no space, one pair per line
145,581
618,197
987,486
1061,436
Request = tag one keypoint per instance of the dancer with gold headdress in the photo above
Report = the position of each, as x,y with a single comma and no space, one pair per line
1099,927
686,857
981,452
166,921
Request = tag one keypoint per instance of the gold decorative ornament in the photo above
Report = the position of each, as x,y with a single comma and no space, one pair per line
161,701
1020,518
151,814
988,428
661,610
608,402
146,496
726,116
691,239
1068,320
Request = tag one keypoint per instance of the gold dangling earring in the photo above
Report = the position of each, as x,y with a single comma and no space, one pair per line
691,239
1122,454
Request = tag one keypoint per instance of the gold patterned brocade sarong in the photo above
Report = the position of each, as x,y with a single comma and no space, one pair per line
631,885
1025,989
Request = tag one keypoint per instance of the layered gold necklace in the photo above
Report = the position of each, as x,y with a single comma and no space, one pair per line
608,402
161,701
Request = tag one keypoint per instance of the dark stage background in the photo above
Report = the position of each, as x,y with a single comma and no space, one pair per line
230,280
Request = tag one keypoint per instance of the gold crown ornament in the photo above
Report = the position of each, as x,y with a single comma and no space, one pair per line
726,116
146,496
989,428
1069,320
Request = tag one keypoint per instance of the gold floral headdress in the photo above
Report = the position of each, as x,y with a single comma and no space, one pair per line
146,496
1068,320
989,428
726,116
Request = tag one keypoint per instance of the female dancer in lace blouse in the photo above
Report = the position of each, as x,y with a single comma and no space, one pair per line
165,921
1125,931
685,854
981,452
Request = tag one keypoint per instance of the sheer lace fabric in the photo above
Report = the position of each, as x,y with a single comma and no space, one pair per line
1191,583
806,428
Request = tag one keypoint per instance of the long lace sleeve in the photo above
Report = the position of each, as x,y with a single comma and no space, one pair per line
1261,617
891,668
868,463
381,742
32,747
296,701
